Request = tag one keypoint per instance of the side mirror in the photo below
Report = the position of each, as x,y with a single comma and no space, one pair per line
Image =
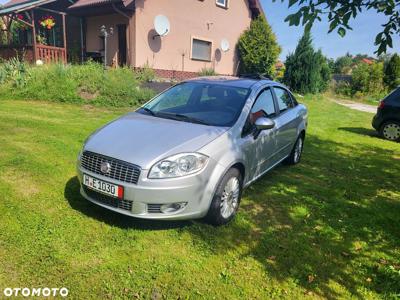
264,123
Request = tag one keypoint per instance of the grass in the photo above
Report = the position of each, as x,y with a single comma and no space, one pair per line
327,228
79,84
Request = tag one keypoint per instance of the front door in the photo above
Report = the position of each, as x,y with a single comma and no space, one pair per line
262,145
122,44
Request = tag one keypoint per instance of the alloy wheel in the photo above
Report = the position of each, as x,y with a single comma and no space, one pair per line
230,198
391,131
298,150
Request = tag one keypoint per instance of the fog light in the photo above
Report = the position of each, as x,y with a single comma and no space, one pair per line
172,207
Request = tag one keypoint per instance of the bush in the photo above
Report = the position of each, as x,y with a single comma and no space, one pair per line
88,83
258,49
207,72
145,74
307,71
368,79
342,88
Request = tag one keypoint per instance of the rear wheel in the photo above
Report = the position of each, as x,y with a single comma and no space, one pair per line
226,200
295,156
391,131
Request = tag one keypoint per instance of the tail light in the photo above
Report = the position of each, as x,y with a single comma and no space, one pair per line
381,105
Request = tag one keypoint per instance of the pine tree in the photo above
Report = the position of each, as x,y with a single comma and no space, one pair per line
392,72
258,49
307,70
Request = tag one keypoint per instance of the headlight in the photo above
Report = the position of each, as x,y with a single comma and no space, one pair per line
178,165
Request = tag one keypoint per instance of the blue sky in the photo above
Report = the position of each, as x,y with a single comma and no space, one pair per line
360,40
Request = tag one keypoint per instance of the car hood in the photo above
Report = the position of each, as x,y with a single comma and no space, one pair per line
143,139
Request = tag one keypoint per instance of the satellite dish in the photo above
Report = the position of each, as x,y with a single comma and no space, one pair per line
162,25
225,45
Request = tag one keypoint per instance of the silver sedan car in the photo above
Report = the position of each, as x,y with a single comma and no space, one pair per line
189,152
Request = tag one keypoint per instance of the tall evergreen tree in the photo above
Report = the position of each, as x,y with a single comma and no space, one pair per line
307,70
258,49
392,72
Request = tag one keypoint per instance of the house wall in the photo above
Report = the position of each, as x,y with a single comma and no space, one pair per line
94,42
188,18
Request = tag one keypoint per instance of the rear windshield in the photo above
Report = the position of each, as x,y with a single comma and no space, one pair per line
203,103
394,96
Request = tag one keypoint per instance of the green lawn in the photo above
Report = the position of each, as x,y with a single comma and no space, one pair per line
327,228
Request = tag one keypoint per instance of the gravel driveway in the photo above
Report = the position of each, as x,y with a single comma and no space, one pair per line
357,106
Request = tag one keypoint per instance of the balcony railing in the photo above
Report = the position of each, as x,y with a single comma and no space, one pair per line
49,54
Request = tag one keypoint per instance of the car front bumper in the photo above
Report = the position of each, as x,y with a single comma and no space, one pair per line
143,200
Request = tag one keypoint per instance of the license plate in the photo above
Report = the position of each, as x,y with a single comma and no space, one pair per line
103,186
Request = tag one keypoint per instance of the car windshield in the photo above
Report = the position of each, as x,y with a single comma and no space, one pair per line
202,103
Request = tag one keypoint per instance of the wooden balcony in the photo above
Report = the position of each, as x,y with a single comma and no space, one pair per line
50,54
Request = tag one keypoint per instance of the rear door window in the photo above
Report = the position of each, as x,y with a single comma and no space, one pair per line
285,102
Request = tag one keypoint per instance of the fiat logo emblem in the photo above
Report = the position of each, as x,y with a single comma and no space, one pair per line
105,167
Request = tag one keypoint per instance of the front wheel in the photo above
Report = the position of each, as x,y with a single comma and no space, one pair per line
295,156
391,131
226,200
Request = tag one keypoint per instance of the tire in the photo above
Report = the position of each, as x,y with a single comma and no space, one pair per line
226,200
295,156
390,131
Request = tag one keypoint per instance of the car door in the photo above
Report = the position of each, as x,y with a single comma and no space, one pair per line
286,123
261,146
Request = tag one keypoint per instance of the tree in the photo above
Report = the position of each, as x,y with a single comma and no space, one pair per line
258,49
307,71
392,72
343,63
340,12
368,79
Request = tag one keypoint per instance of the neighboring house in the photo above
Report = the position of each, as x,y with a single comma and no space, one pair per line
367,61
193,43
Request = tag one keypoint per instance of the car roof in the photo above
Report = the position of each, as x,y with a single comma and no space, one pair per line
240,82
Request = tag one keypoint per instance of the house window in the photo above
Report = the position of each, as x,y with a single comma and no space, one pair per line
201,49
222,3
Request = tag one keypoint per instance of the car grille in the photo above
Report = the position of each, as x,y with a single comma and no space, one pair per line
120,170
108,200
154,208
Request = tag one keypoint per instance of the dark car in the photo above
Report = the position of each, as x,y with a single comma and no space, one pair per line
387,119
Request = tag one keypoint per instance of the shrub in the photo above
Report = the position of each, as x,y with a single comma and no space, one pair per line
307,71
207,72
145,74
368,79
258,49
342,88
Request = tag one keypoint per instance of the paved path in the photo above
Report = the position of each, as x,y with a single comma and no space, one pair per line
357,106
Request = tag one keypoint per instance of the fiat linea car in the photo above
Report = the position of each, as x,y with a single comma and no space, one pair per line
189,152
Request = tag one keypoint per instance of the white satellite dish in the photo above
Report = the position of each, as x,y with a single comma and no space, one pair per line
162,25
225,45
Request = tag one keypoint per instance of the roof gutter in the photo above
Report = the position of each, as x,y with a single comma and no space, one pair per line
117,10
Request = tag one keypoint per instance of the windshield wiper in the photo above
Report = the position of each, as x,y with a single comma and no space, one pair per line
149,111
180,117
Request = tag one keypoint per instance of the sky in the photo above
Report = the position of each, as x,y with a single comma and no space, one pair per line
361,40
